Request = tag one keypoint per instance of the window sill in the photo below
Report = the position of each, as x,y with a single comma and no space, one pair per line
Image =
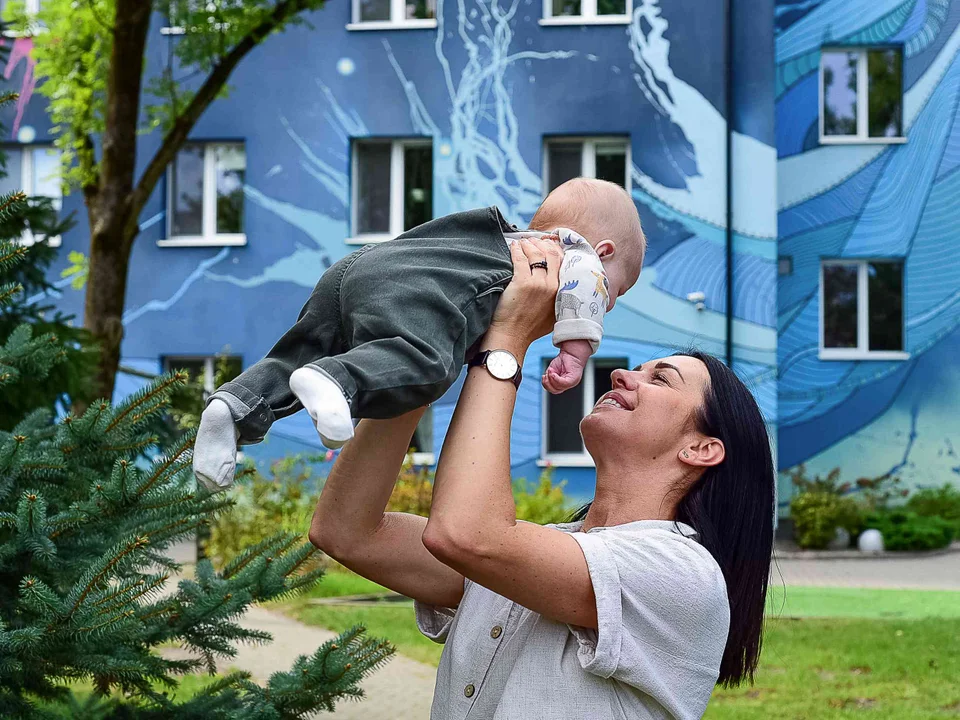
566,460
580,20
202,241
27,239
877,355
841,140
423,458
371,239
427,24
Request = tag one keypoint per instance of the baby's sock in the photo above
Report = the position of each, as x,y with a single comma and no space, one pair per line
215,450
324,400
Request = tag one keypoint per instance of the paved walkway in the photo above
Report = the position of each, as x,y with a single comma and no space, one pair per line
935,572
400,690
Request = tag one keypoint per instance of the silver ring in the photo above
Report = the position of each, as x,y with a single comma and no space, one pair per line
539,264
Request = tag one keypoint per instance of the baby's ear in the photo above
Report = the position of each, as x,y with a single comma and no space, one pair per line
606,249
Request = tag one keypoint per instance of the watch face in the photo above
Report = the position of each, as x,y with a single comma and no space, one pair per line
501,364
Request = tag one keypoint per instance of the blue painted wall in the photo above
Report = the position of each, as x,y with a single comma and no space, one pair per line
487,85
880,201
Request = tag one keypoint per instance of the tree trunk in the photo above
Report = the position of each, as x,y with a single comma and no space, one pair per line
103,310
113,218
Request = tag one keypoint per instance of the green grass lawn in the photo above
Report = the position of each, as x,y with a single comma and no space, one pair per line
820,602
828,652
845,668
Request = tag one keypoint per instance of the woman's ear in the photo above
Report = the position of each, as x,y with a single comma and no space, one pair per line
707,452
605,249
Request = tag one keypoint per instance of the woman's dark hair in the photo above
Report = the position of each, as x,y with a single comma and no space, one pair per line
732,507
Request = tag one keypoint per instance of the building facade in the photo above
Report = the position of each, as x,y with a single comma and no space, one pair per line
384,114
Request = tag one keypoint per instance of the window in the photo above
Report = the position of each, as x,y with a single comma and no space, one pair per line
566,12
603,158
198,16
205,195
35,169
32,7
861,95
861,310
393,14
422,441
562,444
392,188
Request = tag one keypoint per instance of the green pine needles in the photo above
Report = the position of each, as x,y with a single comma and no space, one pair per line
88,508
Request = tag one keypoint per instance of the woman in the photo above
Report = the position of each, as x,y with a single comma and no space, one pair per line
640,607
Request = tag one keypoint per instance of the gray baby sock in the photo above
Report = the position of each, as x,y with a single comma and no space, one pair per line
324,401
215,450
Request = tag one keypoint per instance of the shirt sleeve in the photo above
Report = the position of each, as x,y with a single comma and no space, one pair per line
583,296
662,614
434,621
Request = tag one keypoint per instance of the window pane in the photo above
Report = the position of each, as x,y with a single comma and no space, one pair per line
840,306
564,413
423,436
187,192
602,368
564,162
373,188
566,7
417,185
194,366
231,164
421,9
374,10
612,163
886,93
611,7
46,173
840,93
13,178
885,283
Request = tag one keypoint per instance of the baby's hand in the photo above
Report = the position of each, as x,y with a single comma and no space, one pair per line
566,369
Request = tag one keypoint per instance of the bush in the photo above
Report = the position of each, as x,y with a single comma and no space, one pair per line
942,502
544,504
904,530
413,492
263,506
878,492
817,515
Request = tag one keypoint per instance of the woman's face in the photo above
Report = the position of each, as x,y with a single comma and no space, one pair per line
650,411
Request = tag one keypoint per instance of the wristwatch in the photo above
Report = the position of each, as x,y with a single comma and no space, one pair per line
499,363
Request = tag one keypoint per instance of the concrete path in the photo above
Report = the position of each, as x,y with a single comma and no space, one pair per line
400,690
933,572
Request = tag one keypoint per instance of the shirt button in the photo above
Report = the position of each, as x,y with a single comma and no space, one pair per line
496,631
469,690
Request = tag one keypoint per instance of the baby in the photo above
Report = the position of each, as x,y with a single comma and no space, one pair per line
388,328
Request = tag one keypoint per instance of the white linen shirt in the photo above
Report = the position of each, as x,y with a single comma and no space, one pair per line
663,620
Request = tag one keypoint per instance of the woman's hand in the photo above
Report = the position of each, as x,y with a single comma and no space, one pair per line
527,309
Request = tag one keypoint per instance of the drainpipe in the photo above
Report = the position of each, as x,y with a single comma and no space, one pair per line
728,102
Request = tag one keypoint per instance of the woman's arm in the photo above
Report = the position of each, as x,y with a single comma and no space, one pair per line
473,525
350,524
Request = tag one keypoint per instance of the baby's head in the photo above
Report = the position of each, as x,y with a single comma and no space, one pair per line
605,215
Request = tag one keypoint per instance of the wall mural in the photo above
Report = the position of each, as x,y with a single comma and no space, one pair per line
487,85
871,201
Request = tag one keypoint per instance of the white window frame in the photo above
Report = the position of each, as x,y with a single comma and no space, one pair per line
397,172
398,19
588,155
569,459
27,172
862,351
863,102
588,15
209,236
31,7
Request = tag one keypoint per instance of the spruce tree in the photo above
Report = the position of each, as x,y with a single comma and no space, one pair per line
88,507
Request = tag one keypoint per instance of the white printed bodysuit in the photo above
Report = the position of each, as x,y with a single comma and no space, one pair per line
584,290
